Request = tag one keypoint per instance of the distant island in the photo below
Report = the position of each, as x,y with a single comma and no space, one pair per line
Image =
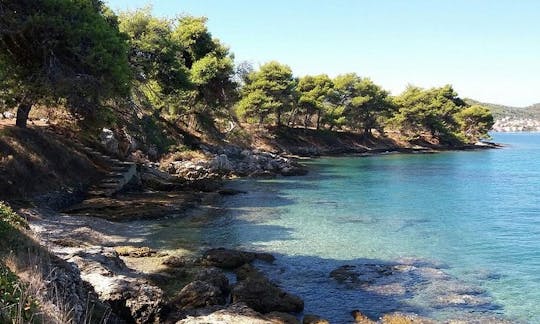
513,119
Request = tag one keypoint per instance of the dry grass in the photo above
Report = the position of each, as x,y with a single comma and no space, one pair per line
184,155
30,291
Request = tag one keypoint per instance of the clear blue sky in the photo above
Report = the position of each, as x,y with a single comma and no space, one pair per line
487,49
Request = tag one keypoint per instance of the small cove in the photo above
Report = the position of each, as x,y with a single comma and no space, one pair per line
469,222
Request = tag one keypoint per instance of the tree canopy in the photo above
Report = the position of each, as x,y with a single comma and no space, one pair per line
60,51
272,84
78,53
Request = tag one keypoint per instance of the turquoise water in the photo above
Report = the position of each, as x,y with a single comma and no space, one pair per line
475,216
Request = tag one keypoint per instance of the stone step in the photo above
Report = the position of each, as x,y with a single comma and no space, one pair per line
98,193
115,175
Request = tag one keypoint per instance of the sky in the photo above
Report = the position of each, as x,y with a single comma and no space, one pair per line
489,50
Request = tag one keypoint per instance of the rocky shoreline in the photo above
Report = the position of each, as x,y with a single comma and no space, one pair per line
142,285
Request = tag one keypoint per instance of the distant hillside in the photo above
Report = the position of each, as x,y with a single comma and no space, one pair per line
501,111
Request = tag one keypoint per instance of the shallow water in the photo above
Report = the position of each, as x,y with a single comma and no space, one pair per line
468,222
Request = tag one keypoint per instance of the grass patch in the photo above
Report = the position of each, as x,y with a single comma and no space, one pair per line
16,304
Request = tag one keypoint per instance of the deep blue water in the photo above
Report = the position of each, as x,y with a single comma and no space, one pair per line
472,216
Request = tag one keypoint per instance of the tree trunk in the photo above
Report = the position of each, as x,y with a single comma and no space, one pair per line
22,114
318,119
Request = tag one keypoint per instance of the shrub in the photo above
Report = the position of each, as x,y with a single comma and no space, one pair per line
16,306
9,219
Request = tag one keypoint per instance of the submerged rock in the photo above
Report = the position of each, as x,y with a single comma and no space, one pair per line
179,261
403,318
231,259
420,281
259,293
230,192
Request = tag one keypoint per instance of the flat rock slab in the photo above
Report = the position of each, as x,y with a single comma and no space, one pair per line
136,206
237,313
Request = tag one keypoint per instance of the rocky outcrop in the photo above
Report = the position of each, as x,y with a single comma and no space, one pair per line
129,296
238,313
233,161
109,141
314,319
216,278
360,318
135,252
198,294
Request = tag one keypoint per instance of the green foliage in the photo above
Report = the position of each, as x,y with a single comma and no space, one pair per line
15,306
67,51
500,111
256,105
313,98
362,103
151,47
475,122
9,219
239,136
79,53
270,90
430,111
210,64
156,134
178,66
155,59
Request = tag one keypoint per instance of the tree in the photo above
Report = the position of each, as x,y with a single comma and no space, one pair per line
432,110
475,122
364,103
61,51
209,62
313,96
275,81
156,60
257,105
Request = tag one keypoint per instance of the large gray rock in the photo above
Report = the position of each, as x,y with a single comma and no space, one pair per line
109,141
9,115
221,163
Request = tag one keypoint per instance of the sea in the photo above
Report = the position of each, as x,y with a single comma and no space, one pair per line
451,235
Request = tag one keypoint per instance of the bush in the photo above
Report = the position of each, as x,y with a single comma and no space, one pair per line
9,219
16,306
